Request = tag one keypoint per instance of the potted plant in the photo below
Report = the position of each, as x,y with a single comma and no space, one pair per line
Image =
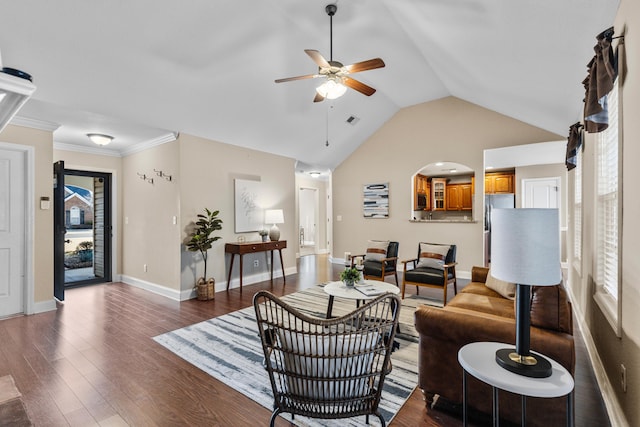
263,233
350,276
201,241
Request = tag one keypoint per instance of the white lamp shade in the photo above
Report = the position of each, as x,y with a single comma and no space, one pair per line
525,246
273,216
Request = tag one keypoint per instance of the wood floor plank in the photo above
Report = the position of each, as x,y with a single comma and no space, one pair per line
93,361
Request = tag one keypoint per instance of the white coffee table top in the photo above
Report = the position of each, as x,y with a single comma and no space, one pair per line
479,360
340,290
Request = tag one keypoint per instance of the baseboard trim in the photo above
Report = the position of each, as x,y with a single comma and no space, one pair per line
44,306
614,410
191,293
254,278
152,287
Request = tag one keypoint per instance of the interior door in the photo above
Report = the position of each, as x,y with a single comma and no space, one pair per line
541,193
59,230
12,231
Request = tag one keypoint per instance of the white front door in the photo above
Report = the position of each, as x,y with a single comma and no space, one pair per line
12,231
541,193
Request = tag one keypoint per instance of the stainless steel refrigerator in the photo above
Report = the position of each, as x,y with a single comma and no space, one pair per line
494,201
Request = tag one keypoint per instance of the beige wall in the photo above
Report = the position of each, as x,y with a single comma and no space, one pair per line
42,142
149,235
448,129
207,173
106,164
613,350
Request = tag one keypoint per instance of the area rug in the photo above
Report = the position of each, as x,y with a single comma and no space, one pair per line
228,348
12,410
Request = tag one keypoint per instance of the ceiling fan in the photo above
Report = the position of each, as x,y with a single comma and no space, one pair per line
335,74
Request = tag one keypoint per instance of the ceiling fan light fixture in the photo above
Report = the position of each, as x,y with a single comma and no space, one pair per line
332,88
99,138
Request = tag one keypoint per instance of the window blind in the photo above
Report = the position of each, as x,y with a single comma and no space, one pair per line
607,201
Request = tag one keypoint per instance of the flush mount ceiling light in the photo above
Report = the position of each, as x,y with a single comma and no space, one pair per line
314,174
99,138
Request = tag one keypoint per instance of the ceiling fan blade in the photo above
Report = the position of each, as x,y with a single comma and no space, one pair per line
318,98
359,86
370,64
289,79
318,58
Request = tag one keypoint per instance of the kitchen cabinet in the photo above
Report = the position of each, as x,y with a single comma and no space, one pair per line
499,183
421,184
422,195
438,194
459,197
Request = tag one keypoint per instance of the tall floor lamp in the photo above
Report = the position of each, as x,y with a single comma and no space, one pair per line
525,250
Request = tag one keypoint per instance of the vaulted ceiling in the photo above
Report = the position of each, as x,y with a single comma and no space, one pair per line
143,70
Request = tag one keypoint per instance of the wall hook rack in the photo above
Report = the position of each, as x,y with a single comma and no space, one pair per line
163,175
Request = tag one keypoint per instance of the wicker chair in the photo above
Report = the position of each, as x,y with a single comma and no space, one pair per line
327,369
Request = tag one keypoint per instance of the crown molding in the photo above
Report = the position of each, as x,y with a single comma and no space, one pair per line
34,123
85,149
170,137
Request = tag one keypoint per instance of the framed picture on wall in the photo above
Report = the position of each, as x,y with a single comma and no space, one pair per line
376,200
249,216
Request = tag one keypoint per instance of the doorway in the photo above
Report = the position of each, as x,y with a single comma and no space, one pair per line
308,219
82,215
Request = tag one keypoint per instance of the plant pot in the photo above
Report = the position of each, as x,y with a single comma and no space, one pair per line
349,283
265,238
206,290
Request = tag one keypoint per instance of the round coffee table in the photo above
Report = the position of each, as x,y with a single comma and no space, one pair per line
340,290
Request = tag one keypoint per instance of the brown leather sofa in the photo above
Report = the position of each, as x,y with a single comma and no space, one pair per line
478,313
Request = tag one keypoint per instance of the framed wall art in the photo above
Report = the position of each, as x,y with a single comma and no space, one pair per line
249,216
376,200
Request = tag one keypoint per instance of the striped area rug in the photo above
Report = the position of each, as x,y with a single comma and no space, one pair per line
228,348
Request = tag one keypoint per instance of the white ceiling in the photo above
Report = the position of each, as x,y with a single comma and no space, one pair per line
144,70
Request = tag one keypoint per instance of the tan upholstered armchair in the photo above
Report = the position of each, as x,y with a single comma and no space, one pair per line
328,369
434,267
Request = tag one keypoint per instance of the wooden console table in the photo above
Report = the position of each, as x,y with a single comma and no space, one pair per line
252,247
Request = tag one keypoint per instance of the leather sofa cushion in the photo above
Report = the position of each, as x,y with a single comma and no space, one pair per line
479,289
551,309
498,305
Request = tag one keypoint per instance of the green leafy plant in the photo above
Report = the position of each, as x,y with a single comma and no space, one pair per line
263,232
350,275
201,239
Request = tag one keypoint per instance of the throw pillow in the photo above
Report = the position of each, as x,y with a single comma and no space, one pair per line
377,250
506,289
432,256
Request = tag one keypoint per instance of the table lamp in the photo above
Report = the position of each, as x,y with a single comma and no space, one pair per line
274,216
525,250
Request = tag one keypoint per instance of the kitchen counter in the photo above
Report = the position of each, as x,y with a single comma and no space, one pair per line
464,221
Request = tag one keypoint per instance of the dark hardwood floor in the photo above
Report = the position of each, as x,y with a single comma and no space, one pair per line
93,362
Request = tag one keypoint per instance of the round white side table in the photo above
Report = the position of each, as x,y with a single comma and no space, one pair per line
479,360
340,290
